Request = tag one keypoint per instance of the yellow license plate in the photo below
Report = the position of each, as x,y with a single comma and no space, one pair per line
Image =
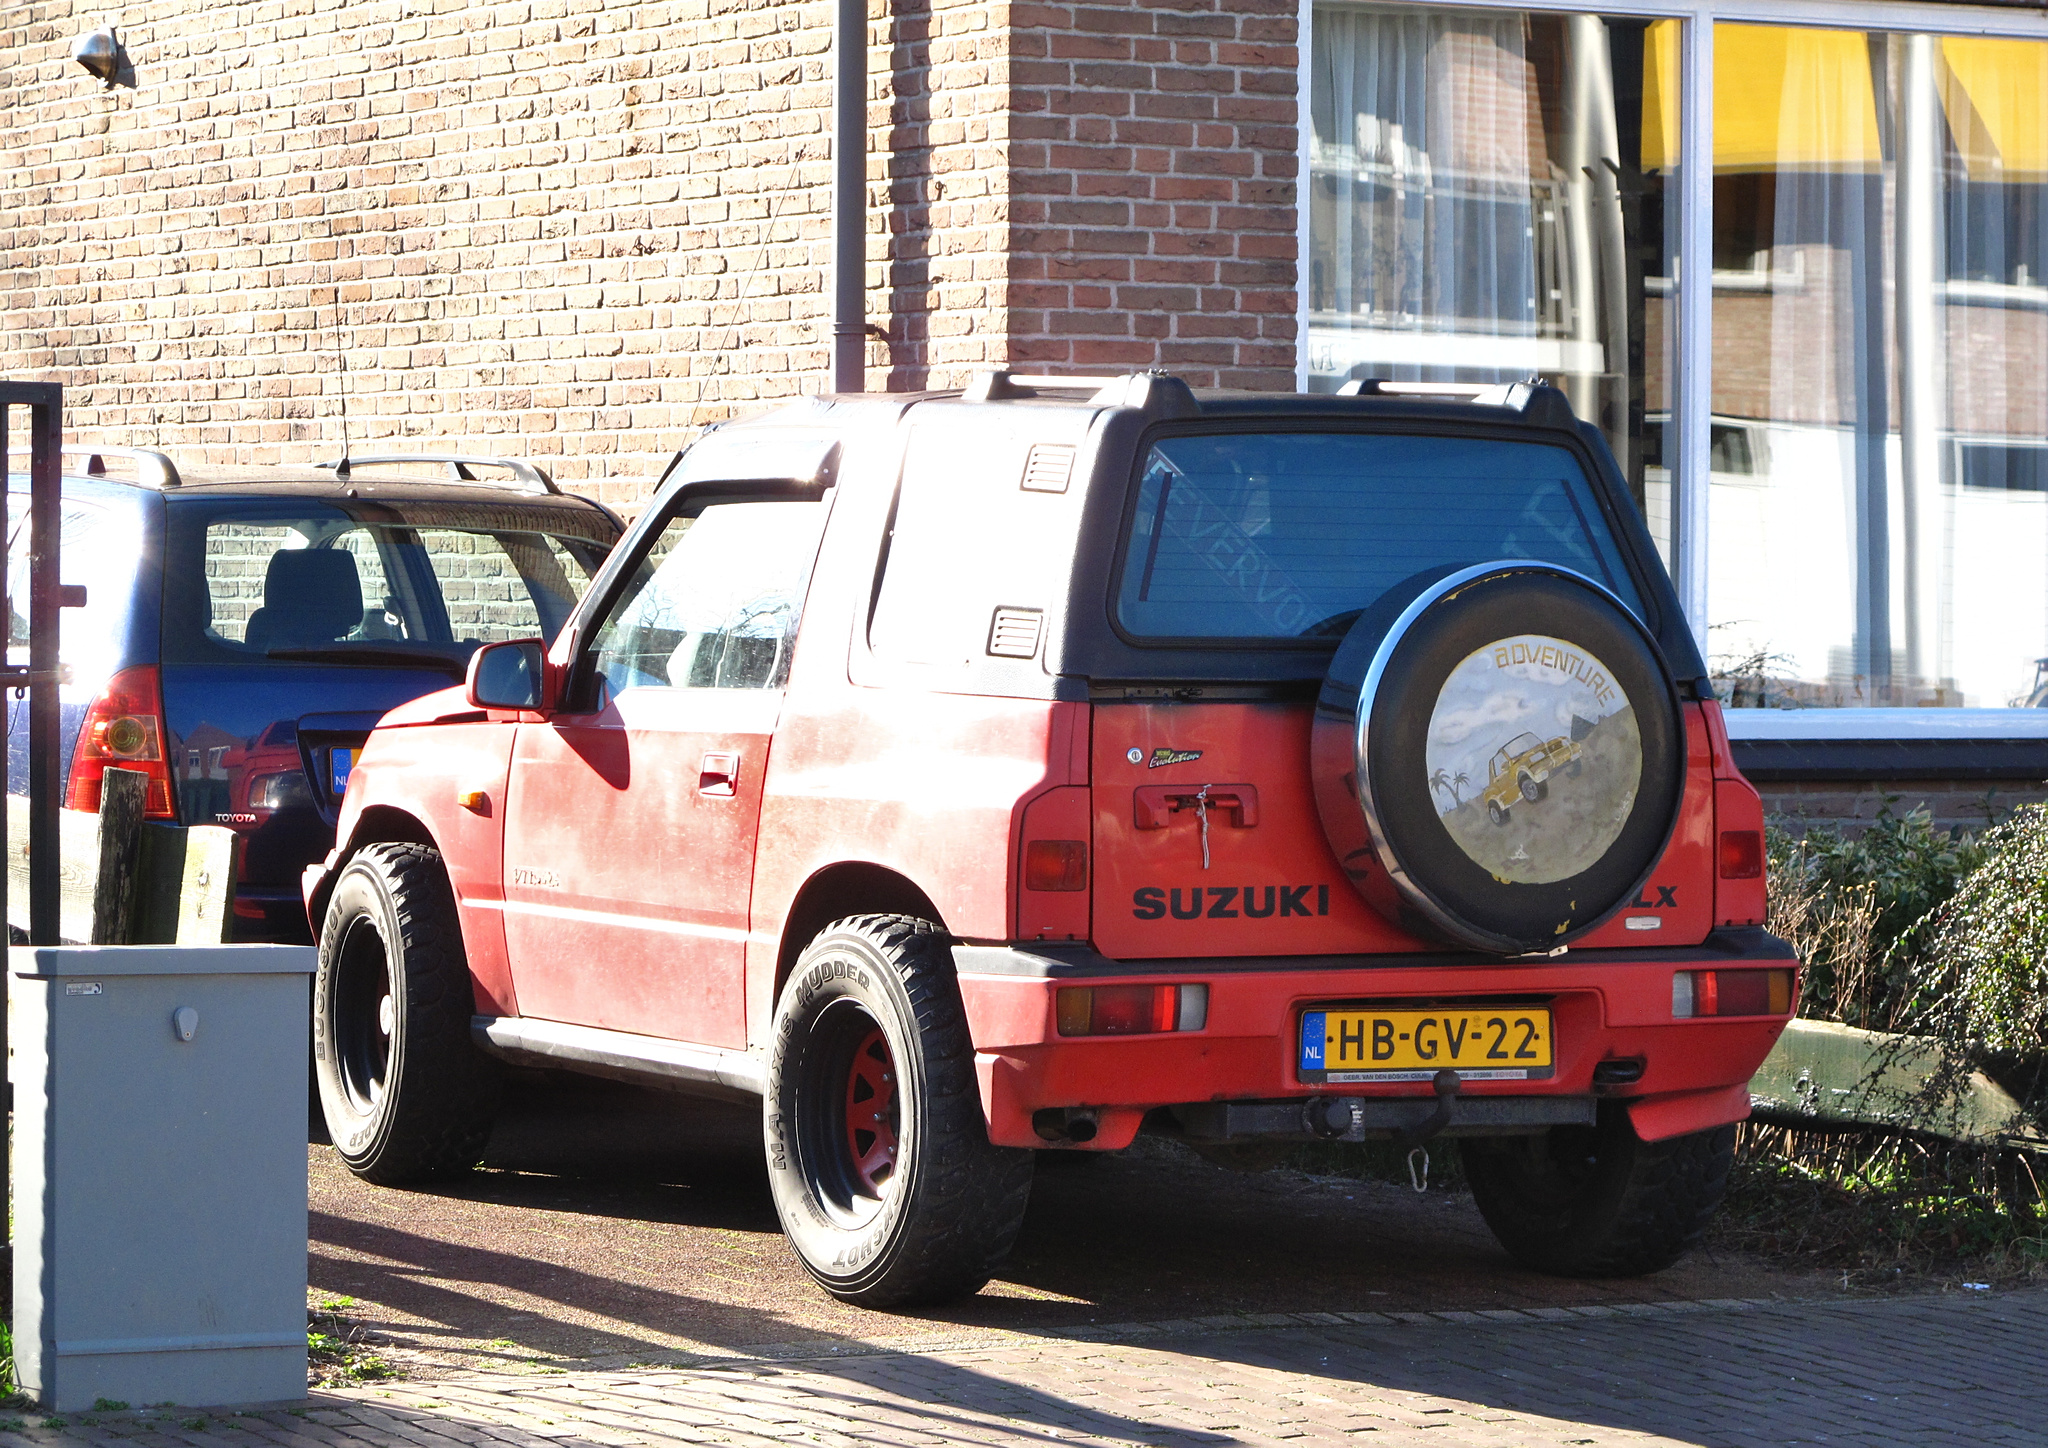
1480,1043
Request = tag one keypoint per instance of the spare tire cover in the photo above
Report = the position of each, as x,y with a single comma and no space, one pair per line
1499,756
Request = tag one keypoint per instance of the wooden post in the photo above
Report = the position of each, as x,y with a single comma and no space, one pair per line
122,795
206,890
183,891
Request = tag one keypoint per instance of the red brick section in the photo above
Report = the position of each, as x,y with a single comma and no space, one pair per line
1153,169
571,230
575,230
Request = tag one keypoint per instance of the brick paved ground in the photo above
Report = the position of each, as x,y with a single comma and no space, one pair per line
1928,1370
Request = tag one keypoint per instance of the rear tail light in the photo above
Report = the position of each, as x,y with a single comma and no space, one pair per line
1742,854
1132,1010
124,729
1731,993
1056,865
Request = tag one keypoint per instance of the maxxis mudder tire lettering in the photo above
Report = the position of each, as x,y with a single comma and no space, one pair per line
948,1215
1599,1201
406,1094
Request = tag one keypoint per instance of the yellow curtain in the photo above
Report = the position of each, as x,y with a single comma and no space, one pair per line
1784,100
1996,96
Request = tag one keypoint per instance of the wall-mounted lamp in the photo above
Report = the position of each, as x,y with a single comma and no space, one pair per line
100,52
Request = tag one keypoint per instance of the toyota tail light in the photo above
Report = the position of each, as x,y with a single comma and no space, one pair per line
124,729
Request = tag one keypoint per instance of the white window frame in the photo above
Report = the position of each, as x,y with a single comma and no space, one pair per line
1692,367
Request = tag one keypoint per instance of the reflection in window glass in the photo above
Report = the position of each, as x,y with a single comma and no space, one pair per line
1488,200
717,602
1291,536
1878,498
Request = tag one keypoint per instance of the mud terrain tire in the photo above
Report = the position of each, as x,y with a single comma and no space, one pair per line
894,1197
406,1095
1599,1201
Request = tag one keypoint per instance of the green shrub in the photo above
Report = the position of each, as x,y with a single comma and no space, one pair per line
1982,976
1859,909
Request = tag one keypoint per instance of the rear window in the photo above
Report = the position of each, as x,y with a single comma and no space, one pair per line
313,582
1292,535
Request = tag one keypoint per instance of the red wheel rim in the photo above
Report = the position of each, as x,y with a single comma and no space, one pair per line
871,1111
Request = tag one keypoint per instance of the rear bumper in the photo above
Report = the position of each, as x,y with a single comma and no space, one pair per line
1607,1006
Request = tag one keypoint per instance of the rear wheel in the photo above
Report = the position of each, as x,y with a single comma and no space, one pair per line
405,1094
878,1155
1531,790
1599,1201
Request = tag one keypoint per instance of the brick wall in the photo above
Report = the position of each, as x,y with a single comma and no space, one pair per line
574,230
1153,171
569,229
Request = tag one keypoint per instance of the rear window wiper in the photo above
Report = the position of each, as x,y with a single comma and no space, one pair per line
373,656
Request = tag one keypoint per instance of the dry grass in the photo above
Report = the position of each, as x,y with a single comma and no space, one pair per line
1886,1208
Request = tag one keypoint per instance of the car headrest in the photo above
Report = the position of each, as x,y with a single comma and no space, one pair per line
312,593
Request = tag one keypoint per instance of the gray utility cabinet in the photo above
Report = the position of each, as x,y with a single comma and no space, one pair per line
160,1173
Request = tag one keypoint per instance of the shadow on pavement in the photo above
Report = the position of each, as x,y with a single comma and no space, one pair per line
614,1226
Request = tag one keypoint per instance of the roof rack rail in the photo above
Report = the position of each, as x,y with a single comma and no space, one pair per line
1159,394
525,476
1534,398
152,469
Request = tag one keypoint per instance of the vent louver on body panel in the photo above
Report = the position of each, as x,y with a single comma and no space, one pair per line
1014,633
1047,467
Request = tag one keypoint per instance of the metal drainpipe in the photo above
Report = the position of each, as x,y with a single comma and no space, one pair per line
849,196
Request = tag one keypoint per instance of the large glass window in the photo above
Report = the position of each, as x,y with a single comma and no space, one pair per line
1496,191
1481,211
1880,308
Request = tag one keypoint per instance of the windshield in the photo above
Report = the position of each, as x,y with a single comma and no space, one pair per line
1292,535
291,581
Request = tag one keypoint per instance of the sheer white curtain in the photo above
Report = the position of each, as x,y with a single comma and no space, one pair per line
1426,137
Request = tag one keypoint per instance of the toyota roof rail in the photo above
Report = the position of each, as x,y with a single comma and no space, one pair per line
525,476
152,469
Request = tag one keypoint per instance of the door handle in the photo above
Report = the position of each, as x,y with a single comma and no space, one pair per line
719,774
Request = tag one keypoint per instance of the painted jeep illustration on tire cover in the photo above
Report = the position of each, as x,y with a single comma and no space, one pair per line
1522,768
964,776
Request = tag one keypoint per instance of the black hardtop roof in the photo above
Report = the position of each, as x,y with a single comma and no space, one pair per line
1163,397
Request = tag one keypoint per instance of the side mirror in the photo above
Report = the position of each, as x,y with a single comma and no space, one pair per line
509,675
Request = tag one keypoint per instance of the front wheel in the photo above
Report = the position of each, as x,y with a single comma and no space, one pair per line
405,1094
878,1155
1599,1201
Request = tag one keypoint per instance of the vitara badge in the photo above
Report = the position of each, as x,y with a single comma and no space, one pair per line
1534,758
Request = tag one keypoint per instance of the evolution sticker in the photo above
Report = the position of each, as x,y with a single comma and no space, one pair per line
1534,758
1172,756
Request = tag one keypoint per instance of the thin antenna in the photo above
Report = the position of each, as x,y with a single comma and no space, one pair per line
739,299
341,357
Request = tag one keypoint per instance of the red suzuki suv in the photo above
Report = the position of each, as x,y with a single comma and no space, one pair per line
964,776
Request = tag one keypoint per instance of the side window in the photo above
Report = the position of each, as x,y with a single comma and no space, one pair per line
485,589
715,603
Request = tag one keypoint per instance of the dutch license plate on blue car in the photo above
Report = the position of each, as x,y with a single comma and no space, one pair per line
340,763
1480,1043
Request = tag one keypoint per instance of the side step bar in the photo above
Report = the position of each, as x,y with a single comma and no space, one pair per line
623,1056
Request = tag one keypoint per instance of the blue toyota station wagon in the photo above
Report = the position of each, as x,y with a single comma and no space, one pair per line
245,627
